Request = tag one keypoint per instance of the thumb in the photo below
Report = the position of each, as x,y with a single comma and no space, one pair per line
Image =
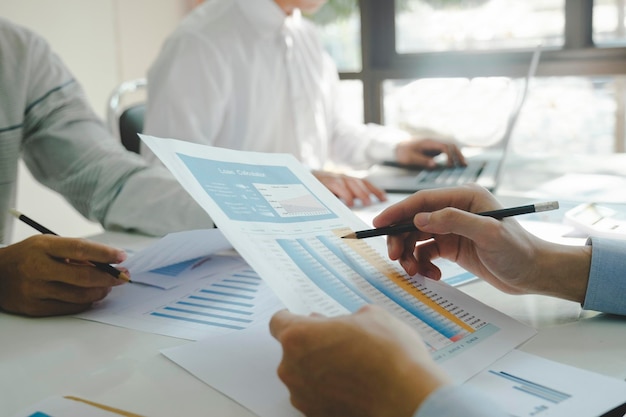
281,320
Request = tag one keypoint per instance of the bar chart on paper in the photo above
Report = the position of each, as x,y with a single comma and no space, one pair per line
233,298
346,275
228,302
525,385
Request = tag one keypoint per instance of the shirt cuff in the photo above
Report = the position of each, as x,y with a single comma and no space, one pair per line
607,276
384,139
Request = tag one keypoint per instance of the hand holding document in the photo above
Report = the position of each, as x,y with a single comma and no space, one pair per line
288,228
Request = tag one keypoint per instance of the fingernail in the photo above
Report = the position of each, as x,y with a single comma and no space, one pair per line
421,219
121,257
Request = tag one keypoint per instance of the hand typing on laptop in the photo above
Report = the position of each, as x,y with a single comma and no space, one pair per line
422,153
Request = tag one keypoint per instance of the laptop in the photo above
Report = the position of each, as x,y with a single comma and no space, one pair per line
484,168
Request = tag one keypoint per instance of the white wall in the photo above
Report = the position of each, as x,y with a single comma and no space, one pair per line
103,42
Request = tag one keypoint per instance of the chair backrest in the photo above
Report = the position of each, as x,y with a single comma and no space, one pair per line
125,112
131,123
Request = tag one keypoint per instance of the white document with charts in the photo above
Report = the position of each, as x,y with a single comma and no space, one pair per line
288,227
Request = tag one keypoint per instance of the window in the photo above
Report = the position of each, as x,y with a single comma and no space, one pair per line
440,25
608,22
433,64
339,24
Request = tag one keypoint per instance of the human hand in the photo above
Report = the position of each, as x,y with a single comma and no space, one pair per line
420,152
350,188
364,364
47,275
498,251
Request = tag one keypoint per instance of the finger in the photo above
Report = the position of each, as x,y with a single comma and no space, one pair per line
59,291
423,160
469,197
424,255
84,250
79,275
281,321
337,185
451,158
458,155
379,193
479,229
359,190
341,190
45,308
406,257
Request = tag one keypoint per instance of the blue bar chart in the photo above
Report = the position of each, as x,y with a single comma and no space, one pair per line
353,275
229,301
534,389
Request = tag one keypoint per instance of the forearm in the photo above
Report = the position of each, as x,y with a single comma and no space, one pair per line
154,203
562,271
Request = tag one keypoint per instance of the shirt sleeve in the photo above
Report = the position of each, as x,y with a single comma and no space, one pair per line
68,149
459,400
606,289
356,144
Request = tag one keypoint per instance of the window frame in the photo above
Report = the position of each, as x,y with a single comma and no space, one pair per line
579,56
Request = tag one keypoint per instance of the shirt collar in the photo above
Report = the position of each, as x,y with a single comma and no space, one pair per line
266,17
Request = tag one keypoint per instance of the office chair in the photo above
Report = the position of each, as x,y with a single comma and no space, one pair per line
126,120
131,123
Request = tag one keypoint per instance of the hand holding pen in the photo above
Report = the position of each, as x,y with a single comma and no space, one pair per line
500,252
48,275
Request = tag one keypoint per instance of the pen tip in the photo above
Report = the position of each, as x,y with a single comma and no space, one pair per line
349,236
15,212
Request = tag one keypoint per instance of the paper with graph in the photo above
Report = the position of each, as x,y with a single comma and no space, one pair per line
288,227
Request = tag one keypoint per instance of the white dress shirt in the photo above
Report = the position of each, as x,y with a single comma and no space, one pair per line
241,74
46,120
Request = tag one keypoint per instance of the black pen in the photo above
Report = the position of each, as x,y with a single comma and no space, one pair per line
42,229
496,214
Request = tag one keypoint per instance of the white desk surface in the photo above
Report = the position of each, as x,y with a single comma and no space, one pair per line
123,368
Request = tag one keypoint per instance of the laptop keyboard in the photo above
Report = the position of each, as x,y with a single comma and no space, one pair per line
448,176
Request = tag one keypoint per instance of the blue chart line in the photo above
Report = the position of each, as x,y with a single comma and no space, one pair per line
322,274
175,269
226,303
533,388
443,326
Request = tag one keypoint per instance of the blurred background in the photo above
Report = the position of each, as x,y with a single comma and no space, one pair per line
452,66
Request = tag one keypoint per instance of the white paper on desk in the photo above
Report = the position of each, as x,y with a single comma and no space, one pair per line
174,259
288,227
230,297
526,385
242,366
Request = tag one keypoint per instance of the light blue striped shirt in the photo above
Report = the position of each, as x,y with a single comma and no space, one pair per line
46,120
